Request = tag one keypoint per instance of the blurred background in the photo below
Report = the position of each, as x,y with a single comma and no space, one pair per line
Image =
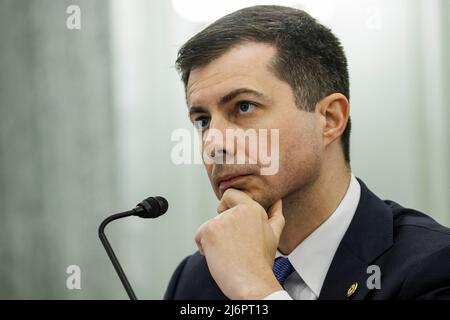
86,117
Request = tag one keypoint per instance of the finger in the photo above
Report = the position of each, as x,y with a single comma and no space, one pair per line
276,218
233,197
198,238
199,246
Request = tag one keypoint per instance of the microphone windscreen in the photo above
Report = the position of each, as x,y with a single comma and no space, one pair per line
153,207
163,204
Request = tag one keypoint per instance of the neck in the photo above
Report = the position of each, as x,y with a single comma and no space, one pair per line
307,208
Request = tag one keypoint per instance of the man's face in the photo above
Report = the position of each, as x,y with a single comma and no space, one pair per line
258,100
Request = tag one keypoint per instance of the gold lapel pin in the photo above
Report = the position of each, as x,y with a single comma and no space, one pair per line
352,289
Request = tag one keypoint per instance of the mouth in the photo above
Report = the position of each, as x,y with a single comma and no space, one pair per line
232,181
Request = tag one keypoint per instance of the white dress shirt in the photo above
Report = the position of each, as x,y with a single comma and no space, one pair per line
312,258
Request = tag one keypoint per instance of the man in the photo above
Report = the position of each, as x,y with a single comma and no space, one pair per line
311,230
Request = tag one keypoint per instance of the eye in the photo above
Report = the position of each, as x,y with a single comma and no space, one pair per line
202,123
245,107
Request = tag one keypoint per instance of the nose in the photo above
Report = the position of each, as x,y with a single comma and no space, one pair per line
215,145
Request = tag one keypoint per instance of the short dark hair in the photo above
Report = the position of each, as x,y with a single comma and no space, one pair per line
310,58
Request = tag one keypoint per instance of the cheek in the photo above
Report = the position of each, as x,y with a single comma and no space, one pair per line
209,168
299,157
300,144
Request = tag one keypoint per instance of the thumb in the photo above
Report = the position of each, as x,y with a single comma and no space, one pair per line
276,218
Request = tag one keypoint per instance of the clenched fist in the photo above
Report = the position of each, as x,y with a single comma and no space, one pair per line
240,245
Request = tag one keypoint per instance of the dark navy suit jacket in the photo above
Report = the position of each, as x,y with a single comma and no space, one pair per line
411,249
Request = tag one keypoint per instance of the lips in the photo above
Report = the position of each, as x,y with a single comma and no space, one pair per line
229,181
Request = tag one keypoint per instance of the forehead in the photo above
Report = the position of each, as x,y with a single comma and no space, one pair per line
246,65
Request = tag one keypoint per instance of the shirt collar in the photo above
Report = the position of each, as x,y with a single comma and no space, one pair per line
312,258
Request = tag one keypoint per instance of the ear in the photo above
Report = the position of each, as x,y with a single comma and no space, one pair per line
334,111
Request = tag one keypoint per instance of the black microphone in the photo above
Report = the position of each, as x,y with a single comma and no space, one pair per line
151,207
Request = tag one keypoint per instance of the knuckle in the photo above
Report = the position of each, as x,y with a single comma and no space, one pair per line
198,236
210,227
243,207
207,228
230,193
227,193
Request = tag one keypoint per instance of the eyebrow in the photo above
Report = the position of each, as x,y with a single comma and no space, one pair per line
227,98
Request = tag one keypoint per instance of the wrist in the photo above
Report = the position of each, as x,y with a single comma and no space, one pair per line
260,289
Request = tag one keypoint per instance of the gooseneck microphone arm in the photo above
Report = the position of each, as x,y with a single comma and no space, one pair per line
111,254
149,208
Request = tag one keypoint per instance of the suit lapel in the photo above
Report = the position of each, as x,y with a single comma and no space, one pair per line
369,235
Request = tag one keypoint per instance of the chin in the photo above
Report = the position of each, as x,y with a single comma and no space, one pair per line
265,197
266,200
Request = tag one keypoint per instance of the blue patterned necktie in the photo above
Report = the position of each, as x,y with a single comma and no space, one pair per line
282,268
